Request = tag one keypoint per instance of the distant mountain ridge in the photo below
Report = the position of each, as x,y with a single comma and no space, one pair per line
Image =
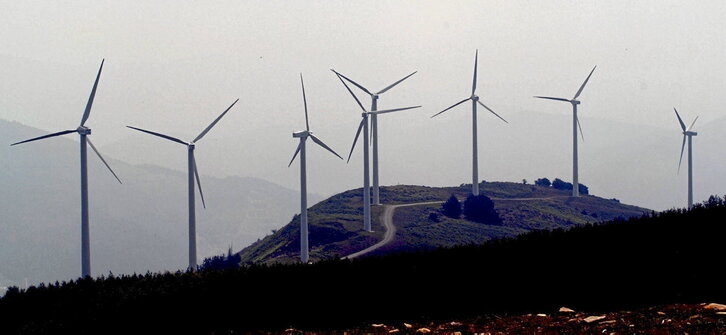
135,227
336,222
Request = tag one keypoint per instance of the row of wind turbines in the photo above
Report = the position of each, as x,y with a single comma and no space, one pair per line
371,195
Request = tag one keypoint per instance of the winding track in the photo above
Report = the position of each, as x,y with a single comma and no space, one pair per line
387,219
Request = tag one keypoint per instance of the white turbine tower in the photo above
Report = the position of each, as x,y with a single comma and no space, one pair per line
374,129
192,174
575,125
687,132
364,126
83,131
303,135
474,100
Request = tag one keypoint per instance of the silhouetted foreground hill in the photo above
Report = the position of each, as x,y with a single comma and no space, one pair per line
336,224
675,256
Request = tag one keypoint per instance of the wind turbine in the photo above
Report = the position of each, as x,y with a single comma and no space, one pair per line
83,131
374,129
303,135
575,125
364,126
192,174
687,132
474,100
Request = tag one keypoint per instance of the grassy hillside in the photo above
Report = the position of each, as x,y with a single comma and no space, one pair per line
671,257
336,223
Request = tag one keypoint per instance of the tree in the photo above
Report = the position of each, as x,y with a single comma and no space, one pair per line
560,184
221,262
479,208
452,207
543,182
583,189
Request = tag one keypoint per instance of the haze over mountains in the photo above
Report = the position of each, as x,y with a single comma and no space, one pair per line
636,164
135,227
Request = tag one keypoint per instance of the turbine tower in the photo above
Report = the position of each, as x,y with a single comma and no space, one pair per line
192,174
374,129
575,125
474,100
364,126
687,132
303,135
83,131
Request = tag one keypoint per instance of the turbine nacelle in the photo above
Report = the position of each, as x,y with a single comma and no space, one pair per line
191,145
474,97
690,133
575,102
302,134
84,130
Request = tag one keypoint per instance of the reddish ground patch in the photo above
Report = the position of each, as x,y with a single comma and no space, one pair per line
672,319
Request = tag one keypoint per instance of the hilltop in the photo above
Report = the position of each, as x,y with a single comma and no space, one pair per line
336,223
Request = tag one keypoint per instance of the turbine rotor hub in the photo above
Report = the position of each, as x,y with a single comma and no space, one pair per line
474,97
690,133
191,145
374,96
302,134
84,130
575,102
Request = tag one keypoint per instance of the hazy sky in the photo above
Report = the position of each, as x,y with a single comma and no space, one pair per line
173,66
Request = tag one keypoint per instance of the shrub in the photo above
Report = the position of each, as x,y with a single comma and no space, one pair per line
560,184
543,182
479,208
452,207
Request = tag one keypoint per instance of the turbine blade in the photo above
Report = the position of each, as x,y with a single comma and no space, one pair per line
87,112
320,143
102,160
46,136
354,83
452,106
160,135
476,60
552,98
584,83
489,109
199,183
340,76
683,146
393,110
305,102
214,122
579,126
693,123
360,127
396,83
295,155
683,125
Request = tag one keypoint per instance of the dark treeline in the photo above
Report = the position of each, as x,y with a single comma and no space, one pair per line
669,257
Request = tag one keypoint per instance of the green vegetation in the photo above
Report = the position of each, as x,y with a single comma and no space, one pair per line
479,208
335,231
655,259
452,207
335,223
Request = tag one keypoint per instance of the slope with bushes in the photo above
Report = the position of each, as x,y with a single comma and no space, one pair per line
666,258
